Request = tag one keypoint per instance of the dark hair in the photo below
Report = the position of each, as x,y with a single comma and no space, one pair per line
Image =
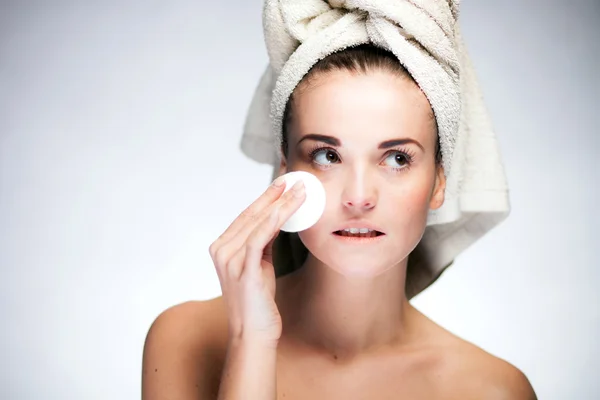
289,253
358,59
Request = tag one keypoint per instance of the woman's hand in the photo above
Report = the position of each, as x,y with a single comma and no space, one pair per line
243,258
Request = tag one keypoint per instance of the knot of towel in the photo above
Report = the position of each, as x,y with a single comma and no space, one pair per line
423,21
421,33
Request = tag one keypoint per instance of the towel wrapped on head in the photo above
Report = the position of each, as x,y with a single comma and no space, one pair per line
424,36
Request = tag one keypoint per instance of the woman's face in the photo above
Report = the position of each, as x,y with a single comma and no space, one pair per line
370,139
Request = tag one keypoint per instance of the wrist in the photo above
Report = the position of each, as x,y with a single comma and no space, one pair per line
252,342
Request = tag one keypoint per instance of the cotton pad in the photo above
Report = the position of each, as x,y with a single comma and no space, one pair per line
314,204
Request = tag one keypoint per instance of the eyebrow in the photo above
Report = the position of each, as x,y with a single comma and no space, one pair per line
333,141
398,142
330,140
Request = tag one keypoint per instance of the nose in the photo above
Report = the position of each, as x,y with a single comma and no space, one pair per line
359,194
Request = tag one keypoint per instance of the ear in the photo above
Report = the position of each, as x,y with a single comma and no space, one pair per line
281,170
439,189
283,166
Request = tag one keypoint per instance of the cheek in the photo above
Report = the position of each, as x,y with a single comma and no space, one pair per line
409,206
413,199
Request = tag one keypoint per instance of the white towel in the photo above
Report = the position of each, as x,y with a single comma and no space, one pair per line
425,37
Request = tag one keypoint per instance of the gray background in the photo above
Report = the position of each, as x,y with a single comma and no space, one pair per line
120,164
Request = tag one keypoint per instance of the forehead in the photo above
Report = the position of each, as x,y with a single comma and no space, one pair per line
376,105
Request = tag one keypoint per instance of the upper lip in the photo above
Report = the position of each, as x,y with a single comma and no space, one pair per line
359,224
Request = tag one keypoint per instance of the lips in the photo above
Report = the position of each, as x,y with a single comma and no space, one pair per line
370,234
361,230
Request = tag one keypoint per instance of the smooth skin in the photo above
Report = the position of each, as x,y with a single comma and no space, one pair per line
340,327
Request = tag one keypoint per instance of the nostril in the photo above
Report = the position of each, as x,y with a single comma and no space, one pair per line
366,204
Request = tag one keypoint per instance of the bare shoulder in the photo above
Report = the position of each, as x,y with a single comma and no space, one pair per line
478,374
184,351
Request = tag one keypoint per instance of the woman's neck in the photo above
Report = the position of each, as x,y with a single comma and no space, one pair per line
344,316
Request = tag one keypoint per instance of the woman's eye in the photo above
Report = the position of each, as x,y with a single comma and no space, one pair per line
397,159
325,157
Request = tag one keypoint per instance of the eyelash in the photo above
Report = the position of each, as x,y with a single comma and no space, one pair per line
408,154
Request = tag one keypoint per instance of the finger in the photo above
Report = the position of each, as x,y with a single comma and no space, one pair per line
235,267
288,208
272,193
236,264
257,242
263,236
267,254
289,199
229,257
285,212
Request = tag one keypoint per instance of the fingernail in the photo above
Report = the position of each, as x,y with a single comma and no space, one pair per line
298,189
279,182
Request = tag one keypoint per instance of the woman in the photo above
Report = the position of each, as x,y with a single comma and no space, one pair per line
340,326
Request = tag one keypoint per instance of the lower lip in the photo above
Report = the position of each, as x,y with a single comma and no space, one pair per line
359,240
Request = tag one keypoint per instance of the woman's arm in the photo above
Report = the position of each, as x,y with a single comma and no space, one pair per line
242,256
250,372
